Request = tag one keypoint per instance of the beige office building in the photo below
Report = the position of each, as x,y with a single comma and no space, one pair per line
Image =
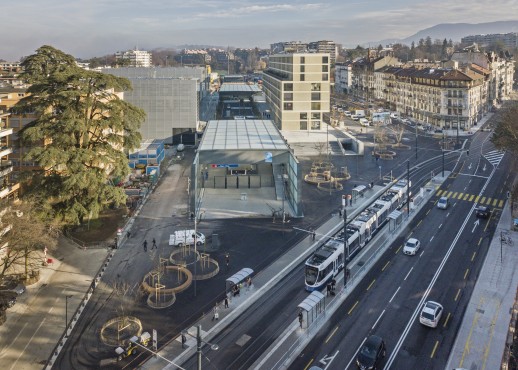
297,89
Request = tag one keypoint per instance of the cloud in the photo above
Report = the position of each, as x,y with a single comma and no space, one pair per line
256,10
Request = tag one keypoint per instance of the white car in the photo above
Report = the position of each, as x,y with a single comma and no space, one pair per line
347,113
364,122
431,314
412,246
355,117
443,203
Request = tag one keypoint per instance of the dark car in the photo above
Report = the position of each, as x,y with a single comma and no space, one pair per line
371,353
483,212
7,299
13,286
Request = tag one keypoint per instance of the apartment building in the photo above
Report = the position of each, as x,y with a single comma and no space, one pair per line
343,77
135,58
510,40
297,89
8,187
320,47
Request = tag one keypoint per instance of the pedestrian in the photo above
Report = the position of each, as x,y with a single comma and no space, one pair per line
328,289
351,201
301,319
340,213
215,313
333,284
145,245
226,301
313,234
128,234
154,244
184,339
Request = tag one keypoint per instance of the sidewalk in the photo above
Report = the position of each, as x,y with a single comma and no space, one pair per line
37,321
482,338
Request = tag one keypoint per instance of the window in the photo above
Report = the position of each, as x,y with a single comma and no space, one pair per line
315,105
302,77
324,77
303,116
303,125
288,87
302,69
325,60
315,87
325,68
315,96
315,125
315,115
288,106
302,60
288,96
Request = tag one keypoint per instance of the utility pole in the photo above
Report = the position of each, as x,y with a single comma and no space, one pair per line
408,188
198,345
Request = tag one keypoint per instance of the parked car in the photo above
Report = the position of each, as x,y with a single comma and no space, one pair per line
483,212
7,299
364,122
431,314
443,203
347,113
12,286
355,117
412,246
371,353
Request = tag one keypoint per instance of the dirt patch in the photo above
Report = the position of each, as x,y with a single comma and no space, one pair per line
102,228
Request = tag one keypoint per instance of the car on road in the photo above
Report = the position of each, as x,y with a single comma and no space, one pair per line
431,314
364,122
483,212
371,353
355,117
411,247
443,203
347,113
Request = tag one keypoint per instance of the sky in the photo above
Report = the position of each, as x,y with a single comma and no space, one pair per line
89,28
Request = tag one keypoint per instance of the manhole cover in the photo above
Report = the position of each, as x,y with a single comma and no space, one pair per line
243,340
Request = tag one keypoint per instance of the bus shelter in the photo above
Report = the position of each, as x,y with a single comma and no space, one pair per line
238,278
395,218
311,308
359,191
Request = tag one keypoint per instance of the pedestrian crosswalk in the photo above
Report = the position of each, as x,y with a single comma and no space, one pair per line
488,201
494,157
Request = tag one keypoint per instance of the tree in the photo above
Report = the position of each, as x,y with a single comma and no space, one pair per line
80,135
505,135
24,249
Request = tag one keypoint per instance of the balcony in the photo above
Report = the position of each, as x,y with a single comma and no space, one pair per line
5,150
9,189
6,167
5,131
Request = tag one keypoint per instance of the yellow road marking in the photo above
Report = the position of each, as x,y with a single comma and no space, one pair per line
352,308
449,194
500,204
428,212
479,241
446,321
466,273
370,285
331,335
398,249
419,224
309,364
471,197
454,195
434,349
482,200
468,340
457,296
384,267
466,196
473,257
493,322
477,198
495,202
439,192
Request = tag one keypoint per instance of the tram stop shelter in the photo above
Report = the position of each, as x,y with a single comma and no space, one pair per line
395,219
359,192
311,308
238,278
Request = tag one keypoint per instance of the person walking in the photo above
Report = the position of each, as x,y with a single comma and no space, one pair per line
145,245
301,319
215,313
226,301
184,339
154,244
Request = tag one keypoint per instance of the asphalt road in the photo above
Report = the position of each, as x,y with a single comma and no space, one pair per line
388,301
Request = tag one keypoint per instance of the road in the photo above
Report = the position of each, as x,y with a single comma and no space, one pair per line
388,301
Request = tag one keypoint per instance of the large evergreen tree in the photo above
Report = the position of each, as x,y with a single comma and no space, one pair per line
80,136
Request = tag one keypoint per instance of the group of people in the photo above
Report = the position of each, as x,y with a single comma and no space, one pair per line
153,246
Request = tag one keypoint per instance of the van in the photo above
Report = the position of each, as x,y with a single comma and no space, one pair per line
364,122
186,237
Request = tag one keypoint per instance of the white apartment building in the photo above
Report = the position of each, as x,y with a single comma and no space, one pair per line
510,40
297,89
137,58
343,77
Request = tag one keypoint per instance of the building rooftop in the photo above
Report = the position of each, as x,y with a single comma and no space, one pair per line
239,87
242,134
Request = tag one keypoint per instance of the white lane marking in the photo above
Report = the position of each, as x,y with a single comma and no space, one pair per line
396,291
408,273
373,326
2,354
432,238
28,343
440,226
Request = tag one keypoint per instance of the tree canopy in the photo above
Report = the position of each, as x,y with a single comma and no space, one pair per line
81,134
505,135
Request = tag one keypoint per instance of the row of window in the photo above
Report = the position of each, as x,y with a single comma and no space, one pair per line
314,106
325,68
289,96
315,86
315,125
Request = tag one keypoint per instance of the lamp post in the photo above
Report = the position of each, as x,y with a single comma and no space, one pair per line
66,314
199,343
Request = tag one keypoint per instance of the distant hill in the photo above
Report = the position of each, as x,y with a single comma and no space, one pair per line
454,31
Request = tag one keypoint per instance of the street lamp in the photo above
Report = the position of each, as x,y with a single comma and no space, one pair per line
66,314
199,343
